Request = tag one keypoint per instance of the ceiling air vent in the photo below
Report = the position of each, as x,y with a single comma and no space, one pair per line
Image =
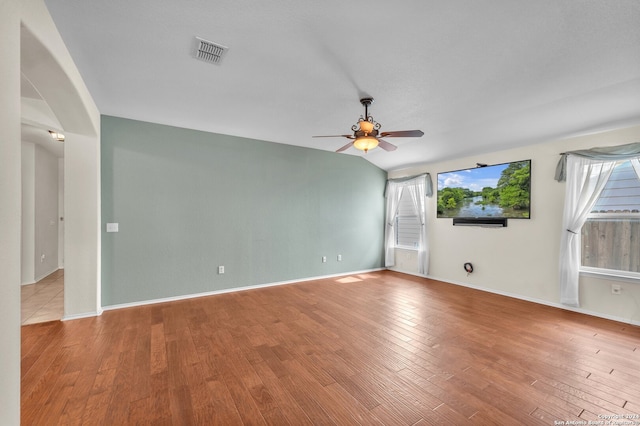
208,51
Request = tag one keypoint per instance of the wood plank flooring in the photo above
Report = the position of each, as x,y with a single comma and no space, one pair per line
378,348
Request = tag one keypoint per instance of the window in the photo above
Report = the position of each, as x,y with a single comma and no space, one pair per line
611,234
407,224
410,229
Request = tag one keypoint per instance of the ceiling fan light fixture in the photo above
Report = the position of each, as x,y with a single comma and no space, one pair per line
365,143
366,132
56,135
366,126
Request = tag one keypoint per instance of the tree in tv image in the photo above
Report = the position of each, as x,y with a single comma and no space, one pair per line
501,190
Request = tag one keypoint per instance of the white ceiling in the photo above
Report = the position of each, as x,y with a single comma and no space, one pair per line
475,75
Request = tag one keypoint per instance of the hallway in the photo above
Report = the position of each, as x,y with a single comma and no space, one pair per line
44,300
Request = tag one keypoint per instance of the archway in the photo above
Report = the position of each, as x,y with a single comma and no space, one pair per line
47,65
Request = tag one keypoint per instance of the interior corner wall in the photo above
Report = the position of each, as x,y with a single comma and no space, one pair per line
40,195
187,202
521,260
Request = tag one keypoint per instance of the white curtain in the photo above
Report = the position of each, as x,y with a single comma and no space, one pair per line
606,153
586,179
394,192
416,189
635,162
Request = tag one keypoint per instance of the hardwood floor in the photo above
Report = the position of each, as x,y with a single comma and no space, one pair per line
378,348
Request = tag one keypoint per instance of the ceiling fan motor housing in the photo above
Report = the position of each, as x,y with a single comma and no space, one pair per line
366,101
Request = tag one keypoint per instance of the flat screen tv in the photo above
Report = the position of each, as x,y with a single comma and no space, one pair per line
496,191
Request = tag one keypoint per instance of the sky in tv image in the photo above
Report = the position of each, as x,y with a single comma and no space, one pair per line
473,179
501,190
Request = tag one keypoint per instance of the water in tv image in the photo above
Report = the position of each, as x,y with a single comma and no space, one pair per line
501,190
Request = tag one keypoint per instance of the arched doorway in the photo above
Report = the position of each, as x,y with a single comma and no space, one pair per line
46,64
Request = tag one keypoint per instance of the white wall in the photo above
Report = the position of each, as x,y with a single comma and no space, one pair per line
521,260
27,260
10,207
35,17
84,117
82,226
40,194
60,213
46,213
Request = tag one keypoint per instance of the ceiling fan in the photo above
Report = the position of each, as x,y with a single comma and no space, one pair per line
366,135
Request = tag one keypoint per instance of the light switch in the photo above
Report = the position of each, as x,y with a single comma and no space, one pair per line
112,227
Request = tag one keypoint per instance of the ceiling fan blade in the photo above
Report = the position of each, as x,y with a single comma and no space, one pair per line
402,134
334,136
386,145
344,148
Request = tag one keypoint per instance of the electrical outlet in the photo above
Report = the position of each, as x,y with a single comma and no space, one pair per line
616,289
324,259
220,270
339,258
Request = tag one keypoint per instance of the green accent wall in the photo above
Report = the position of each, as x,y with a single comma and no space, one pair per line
188,201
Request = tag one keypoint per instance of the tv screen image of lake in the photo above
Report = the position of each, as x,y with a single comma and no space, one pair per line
501,190
473,207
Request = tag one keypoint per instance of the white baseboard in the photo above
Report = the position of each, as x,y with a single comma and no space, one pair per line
42,277
46,274
231,290
83,315
525,298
